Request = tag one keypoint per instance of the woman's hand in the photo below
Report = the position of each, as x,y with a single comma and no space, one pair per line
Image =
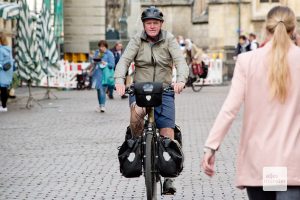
208,163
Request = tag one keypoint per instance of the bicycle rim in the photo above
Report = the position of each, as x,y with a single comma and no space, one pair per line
197,88
150,177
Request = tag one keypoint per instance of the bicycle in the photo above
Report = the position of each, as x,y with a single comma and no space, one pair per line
199,81
198,84
150,136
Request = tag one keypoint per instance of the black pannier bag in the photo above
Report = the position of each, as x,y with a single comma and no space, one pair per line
130,158
148,94
170,157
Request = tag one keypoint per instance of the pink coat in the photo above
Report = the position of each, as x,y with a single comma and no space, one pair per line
270,133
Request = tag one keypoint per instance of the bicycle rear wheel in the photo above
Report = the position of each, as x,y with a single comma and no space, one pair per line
197,86
149,162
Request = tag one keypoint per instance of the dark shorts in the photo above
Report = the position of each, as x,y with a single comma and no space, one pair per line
164,114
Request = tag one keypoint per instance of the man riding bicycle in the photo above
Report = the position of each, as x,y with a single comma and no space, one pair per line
154,52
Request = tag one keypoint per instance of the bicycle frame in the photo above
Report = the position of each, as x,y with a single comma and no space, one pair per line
150,150
150,155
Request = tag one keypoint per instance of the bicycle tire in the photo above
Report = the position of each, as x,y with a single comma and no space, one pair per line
150,176
197,88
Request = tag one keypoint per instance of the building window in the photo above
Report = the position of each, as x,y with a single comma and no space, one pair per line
269,1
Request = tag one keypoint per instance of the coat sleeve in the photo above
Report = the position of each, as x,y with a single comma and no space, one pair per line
125,60
229,109
179,60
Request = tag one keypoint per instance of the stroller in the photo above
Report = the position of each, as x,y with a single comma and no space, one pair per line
84,81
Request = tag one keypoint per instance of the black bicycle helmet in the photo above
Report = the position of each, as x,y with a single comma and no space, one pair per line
152,13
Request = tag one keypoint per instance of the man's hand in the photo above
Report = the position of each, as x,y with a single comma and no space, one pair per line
120,88
208,163
178,87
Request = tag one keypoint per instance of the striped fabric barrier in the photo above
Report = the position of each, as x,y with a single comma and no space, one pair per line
65,77
9,10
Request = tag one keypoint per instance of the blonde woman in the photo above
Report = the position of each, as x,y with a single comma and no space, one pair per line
267,82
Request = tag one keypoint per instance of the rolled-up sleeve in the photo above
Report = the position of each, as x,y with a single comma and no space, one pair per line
229,109
179,61
125,60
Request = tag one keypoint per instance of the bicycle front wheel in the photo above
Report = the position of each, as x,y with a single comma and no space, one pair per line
149,162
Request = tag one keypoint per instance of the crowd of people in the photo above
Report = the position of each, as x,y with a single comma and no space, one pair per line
250,43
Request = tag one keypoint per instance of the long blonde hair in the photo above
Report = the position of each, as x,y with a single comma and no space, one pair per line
281,23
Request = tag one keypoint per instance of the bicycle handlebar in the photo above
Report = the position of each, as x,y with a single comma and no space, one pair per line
130,90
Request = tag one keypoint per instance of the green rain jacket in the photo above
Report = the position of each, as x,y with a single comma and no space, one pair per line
153,61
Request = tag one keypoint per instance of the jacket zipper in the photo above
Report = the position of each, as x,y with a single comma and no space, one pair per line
153,62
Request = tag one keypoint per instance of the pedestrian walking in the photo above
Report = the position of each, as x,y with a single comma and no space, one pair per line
117,51
267,82
6,70
193,56
242,46
103,72
253,42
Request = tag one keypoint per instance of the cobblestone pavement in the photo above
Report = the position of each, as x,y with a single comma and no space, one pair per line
65,150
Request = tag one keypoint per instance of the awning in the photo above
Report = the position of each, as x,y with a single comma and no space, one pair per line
9,10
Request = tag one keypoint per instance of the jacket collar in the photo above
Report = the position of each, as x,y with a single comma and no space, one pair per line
162,36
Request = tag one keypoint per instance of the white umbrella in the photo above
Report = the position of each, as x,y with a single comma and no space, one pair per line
9,10
28,67
47,53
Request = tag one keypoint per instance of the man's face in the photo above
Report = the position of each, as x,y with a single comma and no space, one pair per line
152,27
242,41
251,38
119,47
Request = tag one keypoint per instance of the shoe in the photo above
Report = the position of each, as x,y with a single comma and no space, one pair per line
102,109
3,109
124,97
98,109
110,96
168,187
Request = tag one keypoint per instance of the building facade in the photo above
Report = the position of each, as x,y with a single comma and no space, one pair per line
84,21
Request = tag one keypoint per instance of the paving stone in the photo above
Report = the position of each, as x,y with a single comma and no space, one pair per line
65,150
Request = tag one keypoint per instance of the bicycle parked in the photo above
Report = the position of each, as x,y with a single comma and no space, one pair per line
151,154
